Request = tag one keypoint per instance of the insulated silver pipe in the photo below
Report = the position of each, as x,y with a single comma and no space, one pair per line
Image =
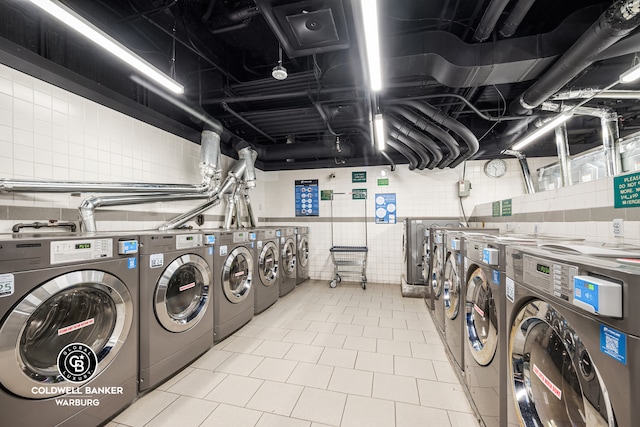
247,203
210,155
595,93
229,212
562,147
8,185
524,167
249,156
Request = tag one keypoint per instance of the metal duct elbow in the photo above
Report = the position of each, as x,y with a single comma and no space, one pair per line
210,156
249,156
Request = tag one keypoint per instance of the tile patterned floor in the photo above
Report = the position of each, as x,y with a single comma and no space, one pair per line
343,357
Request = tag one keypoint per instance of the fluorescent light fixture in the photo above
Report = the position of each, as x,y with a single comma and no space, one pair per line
552,124
102,39
378,127
631,75
372,42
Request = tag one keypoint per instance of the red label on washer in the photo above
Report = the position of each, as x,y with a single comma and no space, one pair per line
547,382
478,309
239,273
187,286
75,327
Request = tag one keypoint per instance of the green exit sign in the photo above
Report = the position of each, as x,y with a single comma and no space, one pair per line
358,177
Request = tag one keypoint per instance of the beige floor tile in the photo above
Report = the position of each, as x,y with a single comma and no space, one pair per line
177,377
367,412
232,416
360,343
392,387
421,325
432,337
249,331
338,357
407,335
197,383
443,395
348,329
356,311
365,320
444,372
377,312
304,353
243,345
185,412
312,307
235,390
340,318
320,406
329,340
322,327
374,362
397,348
370,305
240,364
462,419
300,337
274,334
211,359
401,314
377,332
393,323
311,375
316,316
275,349
333,309
417,368
429,351
144,409
417,416
271,420
319,425
274,369
276,398
351,381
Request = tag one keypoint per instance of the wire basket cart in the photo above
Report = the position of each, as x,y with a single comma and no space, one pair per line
349,258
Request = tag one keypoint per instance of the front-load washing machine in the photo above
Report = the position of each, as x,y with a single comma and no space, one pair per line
574,338
233,275
288,260
266,287
69,328
302,254
176,311
437,263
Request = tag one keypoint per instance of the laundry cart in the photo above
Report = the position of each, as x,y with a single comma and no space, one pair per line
349,247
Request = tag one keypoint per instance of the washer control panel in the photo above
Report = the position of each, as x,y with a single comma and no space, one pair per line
187,241
551,277
597,295
65,251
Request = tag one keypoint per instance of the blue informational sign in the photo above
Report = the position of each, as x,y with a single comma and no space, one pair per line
132,263
386,208
307,197
496,277
613,343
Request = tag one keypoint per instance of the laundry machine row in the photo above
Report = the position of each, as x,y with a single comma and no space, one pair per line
267,265
302,254
288,260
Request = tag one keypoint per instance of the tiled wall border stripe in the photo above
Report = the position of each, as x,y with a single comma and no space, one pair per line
606,213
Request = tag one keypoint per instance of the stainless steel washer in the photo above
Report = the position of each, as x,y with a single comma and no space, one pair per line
288,260
267,261
302,254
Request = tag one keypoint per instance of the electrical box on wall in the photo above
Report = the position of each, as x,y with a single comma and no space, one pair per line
464,188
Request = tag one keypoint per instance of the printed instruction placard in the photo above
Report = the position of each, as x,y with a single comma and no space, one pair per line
386,208
306,192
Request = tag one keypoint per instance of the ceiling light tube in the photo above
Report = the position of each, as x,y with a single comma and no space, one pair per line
552,124
631,75
372,42
102,39
378,127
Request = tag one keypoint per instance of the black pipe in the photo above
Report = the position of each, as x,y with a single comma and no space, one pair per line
321,150
430,145
615,23
233,27
246,122
450,123
423,124
392,164
489,19
209,11
515,18
276,96
423,157
405,151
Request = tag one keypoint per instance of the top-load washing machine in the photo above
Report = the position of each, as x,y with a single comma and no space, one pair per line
233,276
266,282
574,337
176,311
288,260
302,254
69,328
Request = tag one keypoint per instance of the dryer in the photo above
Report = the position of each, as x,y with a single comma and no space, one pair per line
574,338
288,260
266,288
233,275
69,328
176,311
302,254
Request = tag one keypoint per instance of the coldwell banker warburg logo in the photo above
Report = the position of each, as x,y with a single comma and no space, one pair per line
77,362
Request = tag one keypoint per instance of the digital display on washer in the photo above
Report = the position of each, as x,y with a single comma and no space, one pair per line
189,238
83,245
543,268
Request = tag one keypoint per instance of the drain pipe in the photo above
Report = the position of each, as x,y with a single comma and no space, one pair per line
405,151
524,167
562,147
408,137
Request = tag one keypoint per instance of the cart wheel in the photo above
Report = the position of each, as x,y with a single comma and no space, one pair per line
364,285
333,283
338,278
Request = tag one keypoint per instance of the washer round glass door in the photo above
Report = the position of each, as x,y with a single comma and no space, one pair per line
438,272
268,264
481,318
87,306
289,257
237,272
303,251
451,287
182,293
553,378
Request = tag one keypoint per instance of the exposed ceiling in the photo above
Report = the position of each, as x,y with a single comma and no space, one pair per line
444,52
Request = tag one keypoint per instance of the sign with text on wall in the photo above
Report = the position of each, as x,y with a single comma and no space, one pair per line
495,209
359,194
507,207
385,208
358,176
306,197
626,191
